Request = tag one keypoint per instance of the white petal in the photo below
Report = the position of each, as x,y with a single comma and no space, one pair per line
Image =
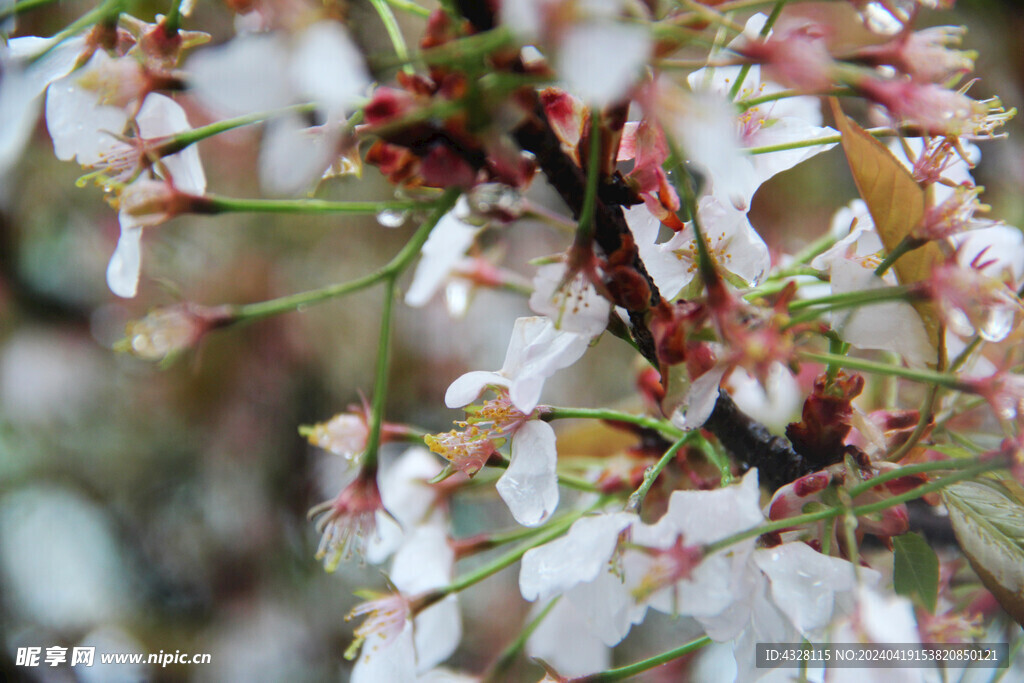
81,127
1000,248
246,75
577,307
891,326
782,131
126,264
536,351
707,516
404,489
442,252
530,485
563,640
593,72
160,116
776,404
394,664
293,156
669,272
22,85
469,386
438,630
701,399
804,583
707,130
328,68
606,607
577,557
425,560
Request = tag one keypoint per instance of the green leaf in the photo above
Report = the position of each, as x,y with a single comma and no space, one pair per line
897,205
988,520
916,570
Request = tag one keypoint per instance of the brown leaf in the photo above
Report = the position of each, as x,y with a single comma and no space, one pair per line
897,204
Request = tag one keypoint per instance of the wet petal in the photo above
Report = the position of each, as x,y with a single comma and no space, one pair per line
530,485
577,557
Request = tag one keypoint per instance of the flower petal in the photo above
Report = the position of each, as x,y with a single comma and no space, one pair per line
597,75
126,264
530,485
577,557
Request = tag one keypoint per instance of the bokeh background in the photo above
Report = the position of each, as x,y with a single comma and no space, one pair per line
146,508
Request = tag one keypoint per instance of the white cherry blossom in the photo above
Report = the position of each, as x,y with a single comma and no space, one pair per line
536,351
574,307
261,72
851,262
400,648
441,256
26,76
732,244
717,138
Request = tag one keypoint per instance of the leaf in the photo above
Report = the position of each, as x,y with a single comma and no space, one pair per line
916,570
989,525
897,204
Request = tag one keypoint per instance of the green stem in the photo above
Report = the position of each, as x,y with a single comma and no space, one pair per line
924,376
826,140
784,94
172,22
895,292
848,300
911,470
387,17
180,141
818,246
636,498
631,670
23,6
215,204
393,268
380,381
585,231
683,183
293,302
553,531
765,30
861,510
908,243
662,426
508,655
410,7
462,51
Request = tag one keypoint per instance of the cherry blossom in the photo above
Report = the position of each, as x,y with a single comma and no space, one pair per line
403,636
536,351
732,243
716,137
573,306
261,72
441,257
579,33
29,65
529,486
851,262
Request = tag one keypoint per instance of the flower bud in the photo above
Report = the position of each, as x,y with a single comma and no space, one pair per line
167,332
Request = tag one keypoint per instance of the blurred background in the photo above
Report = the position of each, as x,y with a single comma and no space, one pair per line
146,508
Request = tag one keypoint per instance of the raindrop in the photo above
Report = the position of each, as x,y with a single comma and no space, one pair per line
391,218
997,324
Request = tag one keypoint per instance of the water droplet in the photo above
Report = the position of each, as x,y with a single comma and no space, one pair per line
887,18
390,218
997,324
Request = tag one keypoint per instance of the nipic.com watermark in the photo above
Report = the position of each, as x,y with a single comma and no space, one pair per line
86,656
